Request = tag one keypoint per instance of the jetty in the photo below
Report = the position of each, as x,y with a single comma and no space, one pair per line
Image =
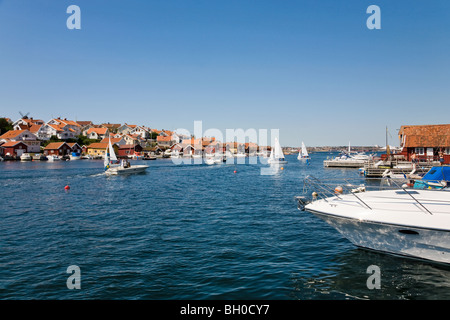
379,169
350,163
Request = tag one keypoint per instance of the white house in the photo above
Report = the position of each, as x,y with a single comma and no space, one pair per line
32,142
144,132
97,133
66,125
126,128
62,132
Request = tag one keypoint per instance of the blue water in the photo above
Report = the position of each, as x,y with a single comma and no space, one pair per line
185,232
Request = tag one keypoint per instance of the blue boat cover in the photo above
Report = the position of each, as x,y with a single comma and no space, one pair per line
434,175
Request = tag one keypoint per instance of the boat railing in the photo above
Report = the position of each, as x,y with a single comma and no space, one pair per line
315,189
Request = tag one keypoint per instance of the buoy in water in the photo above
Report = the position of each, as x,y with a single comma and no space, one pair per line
234,171
282,168
66,188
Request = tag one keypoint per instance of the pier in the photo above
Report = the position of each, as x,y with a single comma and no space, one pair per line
374,169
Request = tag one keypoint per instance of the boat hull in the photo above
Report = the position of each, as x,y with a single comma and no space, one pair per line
129,170
409,241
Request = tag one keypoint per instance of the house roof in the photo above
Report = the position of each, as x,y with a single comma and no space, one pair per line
11,134
112,125
425,136
56,127
11,144
113,140
67,122
128,146
35,128
164,138
97,130
98,145
84,123
72,144
54,145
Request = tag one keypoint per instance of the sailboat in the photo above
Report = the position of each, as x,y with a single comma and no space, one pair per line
123,168
276,155
303,153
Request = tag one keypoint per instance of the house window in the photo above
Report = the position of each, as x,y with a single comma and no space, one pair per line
447,150
420,151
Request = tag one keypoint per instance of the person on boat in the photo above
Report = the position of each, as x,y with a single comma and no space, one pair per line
414,160
441,157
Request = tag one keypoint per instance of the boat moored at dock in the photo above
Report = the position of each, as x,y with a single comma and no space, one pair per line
407,222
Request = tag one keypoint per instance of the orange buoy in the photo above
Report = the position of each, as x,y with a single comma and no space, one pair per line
282,168
66,188
338,189
234,171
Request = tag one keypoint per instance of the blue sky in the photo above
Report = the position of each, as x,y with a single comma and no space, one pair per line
309,68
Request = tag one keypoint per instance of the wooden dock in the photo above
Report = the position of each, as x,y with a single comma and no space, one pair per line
343,163
376,170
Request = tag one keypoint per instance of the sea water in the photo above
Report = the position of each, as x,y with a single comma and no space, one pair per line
186,232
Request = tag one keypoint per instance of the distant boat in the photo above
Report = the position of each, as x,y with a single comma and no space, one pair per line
209,160
53,158
123,168
276,155
75,156
26,157
303,153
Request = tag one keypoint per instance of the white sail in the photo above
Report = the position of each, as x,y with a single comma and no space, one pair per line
278,152
112,154
303,153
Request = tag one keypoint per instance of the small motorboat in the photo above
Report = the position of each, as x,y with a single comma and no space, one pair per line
26,157
53,158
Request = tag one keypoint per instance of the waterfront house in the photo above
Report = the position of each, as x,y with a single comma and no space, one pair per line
98,149
75,147
427,142
57,149
31,140
129,150
13,149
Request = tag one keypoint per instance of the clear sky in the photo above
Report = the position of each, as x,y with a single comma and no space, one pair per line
310,68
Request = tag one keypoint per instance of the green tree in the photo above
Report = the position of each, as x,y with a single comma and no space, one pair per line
5,126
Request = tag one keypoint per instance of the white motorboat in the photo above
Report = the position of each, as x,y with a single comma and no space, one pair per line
53,158
123,168
406,222
175,154
276,155
75,156
303,153
209,160
26,157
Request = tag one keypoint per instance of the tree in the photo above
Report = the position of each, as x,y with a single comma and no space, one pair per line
5,126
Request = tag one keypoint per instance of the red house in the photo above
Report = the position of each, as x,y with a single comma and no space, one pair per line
127,150
427,142
13,148
57,149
